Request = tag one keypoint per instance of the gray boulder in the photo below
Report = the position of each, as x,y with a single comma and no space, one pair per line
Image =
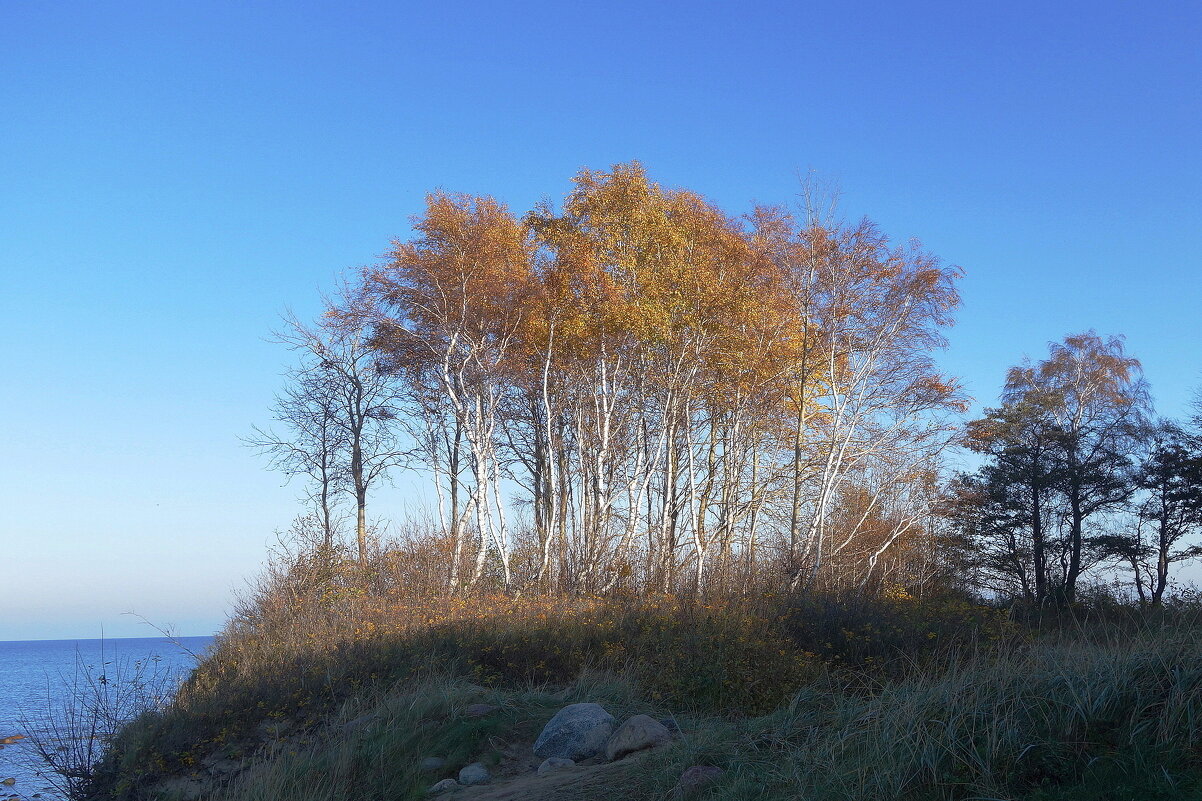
694,780
474,773
480,710
554,763
433,764
637,733
443,786
577,732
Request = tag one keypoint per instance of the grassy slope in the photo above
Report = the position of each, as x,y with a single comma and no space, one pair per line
837,701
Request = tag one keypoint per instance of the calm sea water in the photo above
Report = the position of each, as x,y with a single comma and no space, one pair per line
37,678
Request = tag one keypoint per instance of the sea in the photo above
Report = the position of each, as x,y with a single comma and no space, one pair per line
43,683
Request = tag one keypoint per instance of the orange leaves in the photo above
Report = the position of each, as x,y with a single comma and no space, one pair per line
647,367
661,277
669,279
468,274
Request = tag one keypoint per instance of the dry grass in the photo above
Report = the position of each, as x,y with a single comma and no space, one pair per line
883,698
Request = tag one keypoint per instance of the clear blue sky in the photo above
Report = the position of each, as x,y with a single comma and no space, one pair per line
174,175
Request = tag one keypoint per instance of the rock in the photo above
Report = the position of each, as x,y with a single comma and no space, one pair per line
554,763
578,731
474,773
9,782
480,710
636,734
694,780
443,786
433,764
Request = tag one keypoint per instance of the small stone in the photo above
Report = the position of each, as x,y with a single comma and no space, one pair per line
9,782
443,786
433,764
474,773
480,710
636,734
696,779
552,764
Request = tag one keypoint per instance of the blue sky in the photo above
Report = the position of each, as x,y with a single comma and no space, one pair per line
176,175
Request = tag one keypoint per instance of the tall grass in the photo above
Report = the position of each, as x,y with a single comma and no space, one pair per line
372,748
1063,717
1066,717
827,697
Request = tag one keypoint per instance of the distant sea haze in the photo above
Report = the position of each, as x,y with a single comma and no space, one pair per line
36,677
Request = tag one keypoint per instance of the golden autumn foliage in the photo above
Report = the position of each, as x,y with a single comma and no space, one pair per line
678,393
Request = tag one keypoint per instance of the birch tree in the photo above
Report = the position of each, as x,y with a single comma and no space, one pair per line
450,305
670,390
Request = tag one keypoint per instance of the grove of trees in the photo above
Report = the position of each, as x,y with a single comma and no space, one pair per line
1077,475
639,390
